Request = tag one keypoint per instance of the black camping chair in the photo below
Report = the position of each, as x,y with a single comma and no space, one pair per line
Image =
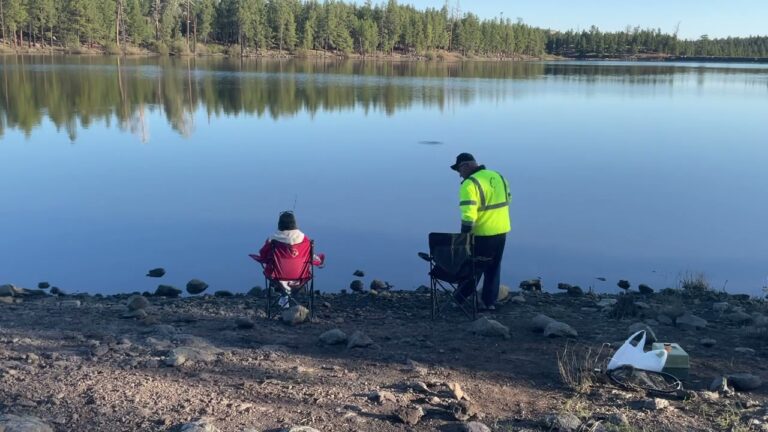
451,260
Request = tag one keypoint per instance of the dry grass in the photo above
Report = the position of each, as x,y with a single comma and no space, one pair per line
580,367
694,283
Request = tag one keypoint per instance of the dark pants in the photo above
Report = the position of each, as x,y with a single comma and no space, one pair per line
487,247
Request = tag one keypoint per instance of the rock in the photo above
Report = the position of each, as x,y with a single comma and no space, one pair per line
202,425
196,286
665,320
691,322
182,355
358,273
489,327
645,289
463,410
359,340
56,291
745,381
410,415
745,350
167,291
423,289
16,423
650,404
650,336
377,285
334,337
708,342
720,385
606,303
623,284
244,323
295,315
720,306
156,272
518,299
43,285
138,314
560,329
618,419
642,305
531,285
256,291
540,322
563,286
573,290
382,396
70,304
564,422
300,429
357,286
223,293
7,300
501,297
9,290
137,302
456,391
738,317
709,396
475,427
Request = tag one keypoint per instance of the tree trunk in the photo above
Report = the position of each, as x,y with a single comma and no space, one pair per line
2,20
187,28
117,22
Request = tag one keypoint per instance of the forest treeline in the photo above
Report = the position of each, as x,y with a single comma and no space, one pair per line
296,26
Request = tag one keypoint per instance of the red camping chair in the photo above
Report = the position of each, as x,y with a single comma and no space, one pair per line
293,264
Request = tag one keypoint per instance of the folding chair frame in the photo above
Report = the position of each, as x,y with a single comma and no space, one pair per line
310,284
438,286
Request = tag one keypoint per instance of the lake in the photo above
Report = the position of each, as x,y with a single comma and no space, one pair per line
640,171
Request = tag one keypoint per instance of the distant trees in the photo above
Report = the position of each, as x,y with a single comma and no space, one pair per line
287,25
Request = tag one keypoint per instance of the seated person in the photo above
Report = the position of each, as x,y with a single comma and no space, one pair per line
289,234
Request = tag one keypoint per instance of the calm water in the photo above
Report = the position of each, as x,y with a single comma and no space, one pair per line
636,171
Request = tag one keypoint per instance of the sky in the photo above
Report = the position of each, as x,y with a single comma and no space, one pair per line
715,18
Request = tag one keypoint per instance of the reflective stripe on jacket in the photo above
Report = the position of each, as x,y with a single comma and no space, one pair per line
484,201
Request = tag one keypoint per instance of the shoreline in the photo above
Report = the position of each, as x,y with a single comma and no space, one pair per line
370,362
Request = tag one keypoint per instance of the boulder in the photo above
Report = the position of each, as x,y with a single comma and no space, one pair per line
745,381
334,337
560,329
623,284
167,291
9,290
299,429
359,340
720,306
256,291
540,322
137,302
223,293
358,273
691,322
16,423
606,303
738,317
181,355
43,285
650,336
196,286
489,327
410,415
381,397
575,291
295,315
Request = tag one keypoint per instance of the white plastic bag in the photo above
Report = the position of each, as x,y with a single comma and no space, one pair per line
633,355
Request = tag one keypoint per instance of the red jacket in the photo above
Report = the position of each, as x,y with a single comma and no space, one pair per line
287,256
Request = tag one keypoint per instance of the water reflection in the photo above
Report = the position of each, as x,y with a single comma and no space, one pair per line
78,91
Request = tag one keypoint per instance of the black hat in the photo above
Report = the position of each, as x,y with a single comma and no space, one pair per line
461,158
287,221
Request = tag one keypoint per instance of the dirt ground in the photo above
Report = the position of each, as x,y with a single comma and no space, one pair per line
78,364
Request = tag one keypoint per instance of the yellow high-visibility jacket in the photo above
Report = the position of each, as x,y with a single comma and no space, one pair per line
484,202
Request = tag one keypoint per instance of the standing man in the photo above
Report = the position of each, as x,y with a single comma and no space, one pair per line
484,201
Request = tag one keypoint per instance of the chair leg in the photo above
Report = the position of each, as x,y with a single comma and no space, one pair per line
269,299
312,299
433,297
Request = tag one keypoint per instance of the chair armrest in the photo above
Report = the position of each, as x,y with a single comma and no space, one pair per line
425,256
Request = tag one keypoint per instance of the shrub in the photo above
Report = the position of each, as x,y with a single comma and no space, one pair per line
694,283
111,48
159,47
179,47
580,367
431,55
625,307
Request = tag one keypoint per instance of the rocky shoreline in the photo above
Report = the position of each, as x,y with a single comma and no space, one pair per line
368,361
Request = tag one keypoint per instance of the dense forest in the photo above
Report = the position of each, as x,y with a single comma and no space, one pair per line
247,27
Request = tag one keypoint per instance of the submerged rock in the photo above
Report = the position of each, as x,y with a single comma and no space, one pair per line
167,291
623,284
196,286
156,272
358,273
43,285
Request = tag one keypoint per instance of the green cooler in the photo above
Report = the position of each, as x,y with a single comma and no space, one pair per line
677,363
